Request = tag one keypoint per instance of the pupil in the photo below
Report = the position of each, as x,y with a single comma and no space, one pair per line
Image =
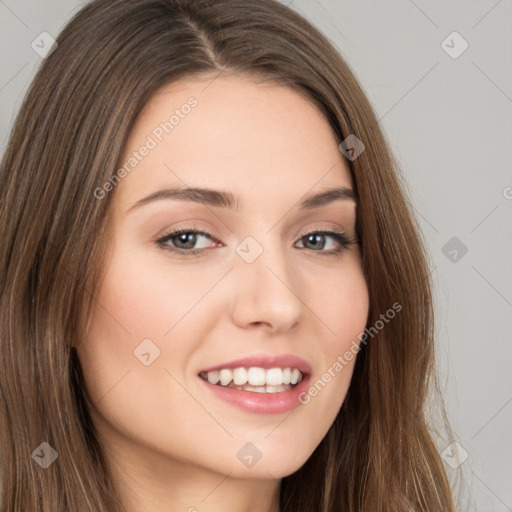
191,239
315,239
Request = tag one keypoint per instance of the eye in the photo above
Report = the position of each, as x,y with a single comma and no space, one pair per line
184,240
319,240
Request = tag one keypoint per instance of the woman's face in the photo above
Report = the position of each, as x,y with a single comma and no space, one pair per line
258,291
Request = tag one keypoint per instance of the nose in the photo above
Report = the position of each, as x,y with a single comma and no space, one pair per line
267,292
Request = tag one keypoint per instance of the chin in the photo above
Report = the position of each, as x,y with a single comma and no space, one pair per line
276,466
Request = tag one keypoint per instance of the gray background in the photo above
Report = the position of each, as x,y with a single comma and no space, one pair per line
449,121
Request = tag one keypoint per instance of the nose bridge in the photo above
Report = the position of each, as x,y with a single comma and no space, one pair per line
266,284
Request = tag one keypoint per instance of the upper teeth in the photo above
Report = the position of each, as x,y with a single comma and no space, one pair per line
254,376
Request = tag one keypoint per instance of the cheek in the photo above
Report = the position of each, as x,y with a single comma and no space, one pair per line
148,301
135,307
137,302
342,304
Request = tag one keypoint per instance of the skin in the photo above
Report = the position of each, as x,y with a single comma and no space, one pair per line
171,443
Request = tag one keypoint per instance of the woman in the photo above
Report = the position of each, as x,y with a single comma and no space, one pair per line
213,294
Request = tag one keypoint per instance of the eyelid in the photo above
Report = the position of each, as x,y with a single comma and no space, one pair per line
322,230
334,230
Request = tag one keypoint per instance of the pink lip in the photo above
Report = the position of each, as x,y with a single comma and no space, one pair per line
265,361
261,403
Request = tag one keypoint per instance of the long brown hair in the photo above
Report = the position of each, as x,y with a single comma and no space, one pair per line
380,454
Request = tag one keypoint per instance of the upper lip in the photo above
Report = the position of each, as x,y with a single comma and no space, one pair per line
265,361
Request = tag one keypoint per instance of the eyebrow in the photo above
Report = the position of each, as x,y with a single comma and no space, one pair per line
224,199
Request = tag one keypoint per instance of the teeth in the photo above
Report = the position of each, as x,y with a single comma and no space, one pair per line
260,389
274,377
271,380
213,377
277,389
266,389
226,376
295,376
256,376
240,376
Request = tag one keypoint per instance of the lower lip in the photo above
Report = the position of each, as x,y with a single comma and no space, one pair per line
260,403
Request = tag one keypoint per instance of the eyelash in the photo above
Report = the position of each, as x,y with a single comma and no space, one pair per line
341,238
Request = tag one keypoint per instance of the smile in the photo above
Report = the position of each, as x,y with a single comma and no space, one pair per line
255,379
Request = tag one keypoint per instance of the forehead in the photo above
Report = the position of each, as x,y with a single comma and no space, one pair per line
262,141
